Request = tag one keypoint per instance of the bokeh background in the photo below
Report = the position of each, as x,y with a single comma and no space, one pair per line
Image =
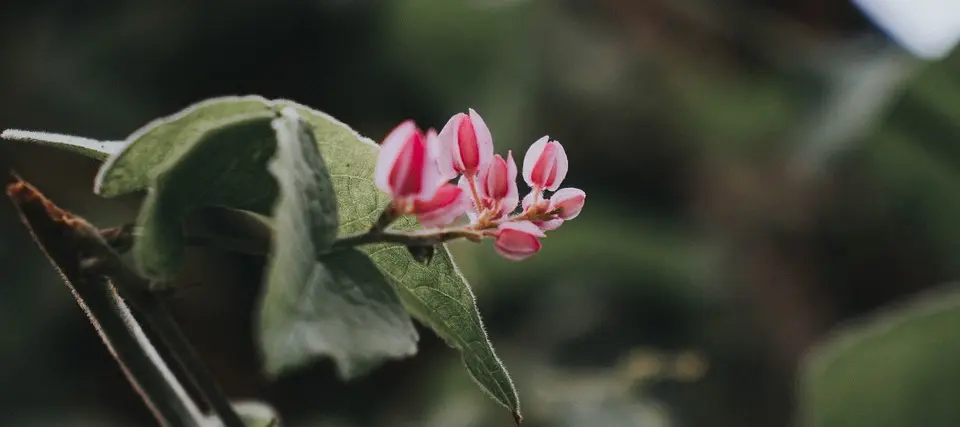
758,172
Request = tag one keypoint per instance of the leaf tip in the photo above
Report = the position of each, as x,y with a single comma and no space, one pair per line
517,417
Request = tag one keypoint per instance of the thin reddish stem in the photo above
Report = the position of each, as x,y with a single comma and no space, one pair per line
473,189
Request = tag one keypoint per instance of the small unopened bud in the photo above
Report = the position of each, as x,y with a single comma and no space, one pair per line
406,165
498,185
545,165
567,202
466,146
518,240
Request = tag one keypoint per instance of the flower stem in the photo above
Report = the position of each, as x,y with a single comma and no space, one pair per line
235,231
473,189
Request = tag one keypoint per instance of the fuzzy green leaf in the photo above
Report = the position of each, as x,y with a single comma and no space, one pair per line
163,140
92,148
898,369
337,305
437,294
228,156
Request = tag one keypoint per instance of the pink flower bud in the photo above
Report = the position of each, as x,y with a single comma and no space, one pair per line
518,240
567,202
543,205
406,165
498,184
466,145
545,165
449,203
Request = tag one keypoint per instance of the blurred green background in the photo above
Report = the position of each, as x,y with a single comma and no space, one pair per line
758,171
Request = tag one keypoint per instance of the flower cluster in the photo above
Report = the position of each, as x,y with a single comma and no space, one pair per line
417,168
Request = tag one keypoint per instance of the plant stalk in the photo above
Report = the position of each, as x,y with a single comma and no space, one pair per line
60,236
138,291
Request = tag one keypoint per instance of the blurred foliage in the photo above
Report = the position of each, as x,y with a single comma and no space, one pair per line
897,370
758,173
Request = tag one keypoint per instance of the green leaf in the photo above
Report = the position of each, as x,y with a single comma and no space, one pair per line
91,148
437,294
897,369
224,165
307,207
341,305
147,149
252,413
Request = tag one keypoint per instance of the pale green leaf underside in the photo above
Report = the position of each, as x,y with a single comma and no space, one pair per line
898,369
149,147
339,305
92,148
215,169
437,294
307,201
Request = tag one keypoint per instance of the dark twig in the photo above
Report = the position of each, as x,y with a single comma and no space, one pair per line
62,236
94,255
387,217
119,238
138,291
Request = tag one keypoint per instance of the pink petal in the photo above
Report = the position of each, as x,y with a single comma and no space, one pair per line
389,150
456,157
406,176
523,227
530,159
494,180
508,205
447,141
518,249
568,202
513,194
560,156
518,240
545,169
472,207
449,203
467,146
550,224
480,180
430,173
484,139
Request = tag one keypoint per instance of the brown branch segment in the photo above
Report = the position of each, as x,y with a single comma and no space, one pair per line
82,241
64,238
